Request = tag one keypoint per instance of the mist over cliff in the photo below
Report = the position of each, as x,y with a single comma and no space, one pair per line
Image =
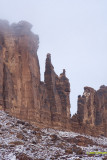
45,104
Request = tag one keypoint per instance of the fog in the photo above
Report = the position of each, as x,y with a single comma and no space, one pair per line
73,31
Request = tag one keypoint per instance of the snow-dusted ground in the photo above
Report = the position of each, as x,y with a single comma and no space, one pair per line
21,141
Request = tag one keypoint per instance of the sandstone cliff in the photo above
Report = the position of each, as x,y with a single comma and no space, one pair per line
46,104
20,73
22,94
92,111
58,89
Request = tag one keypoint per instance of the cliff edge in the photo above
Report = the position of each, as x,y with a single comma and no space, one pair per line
45,104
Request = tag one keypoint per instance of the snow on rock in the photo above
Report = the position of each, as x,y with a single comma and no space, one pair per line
22,141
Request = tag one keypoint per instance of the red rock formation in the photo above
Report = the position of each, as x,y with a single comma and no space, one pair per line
92,111
20,78
58,89
24,96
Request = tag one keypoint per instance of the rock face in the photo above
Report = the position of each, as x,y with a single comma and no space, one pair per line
58,89
92,110
46,104
22,94
20,73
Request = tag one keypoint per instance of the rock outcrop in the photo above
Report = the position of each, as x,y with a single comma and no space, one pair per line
92,111
22,94
58,89
46,104
20,73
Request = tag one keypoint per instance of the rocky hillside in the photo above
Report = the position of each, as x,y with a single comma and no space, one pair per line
21,141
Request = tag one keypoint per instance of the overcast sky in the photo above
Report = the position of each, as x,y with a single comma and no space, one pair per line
73,31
